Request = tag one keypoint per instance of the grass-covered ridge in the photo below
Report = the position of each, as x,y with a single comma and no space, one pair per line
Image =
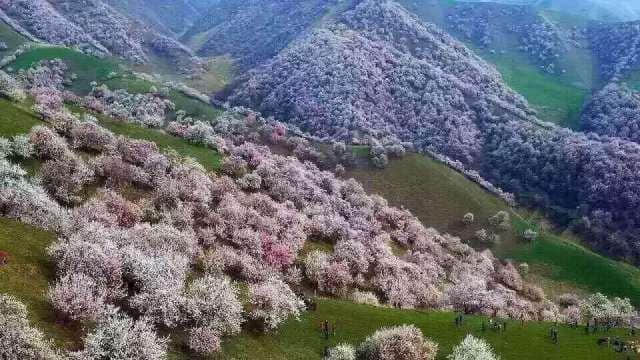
87,68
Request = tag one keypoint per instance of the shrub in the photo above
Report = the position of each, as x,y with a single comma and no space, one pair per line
365,297
501,220
403,342
341,352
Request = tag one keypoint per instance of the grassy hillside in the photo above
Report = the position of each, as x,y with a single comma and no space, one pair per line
304,340
110,72
11,38
440,197
27,275
447,193
87,68
555,99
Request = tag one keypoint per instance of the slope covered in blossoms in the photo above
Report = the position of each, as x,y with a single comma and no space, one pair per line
381,73
162,244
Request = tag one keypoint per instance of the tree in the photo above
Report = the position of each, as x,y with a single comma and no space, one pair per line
403,342
204,340
118,337
77,297
18,340
472,348
273,302
212,302
468,218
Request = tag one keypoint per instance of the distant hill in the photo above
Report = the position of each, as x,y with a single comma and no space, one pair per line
96,27
602,10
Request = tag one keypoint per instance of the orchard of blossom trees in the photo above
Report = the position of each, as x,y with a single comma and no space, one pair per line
617,48
178,254
379,73
483,22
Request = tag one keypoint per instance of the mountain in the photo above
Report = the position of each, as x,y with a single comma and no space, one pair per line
379,72
171,17
253,31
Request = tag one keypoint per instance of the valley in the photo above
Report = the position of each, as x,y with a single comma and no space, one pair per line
175,194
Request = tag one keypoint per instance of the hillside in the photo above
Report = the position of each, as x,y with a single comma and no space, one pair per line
543,55
362,184
308,346
382,73
600,10
96,28
254,31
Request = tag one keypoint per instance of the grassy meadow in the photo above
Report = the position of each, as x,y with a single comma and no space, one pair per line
304,340
27,275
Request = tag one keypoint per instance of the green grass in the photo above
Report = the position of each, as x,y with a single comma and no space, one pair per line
433,192
27,275
88,68
91,68
304,340
210,159
555,100
218,75
11,38
16,118
568,262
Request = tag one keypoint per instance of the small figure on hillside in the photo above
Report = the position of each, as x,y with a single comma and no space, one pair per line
554,335
484,326
504,326
325,329
4,258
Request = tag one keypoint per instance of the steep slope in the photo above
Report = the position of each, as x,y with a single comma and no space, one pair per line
543,55
617,47
601,10
253,31
380,72
171,17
